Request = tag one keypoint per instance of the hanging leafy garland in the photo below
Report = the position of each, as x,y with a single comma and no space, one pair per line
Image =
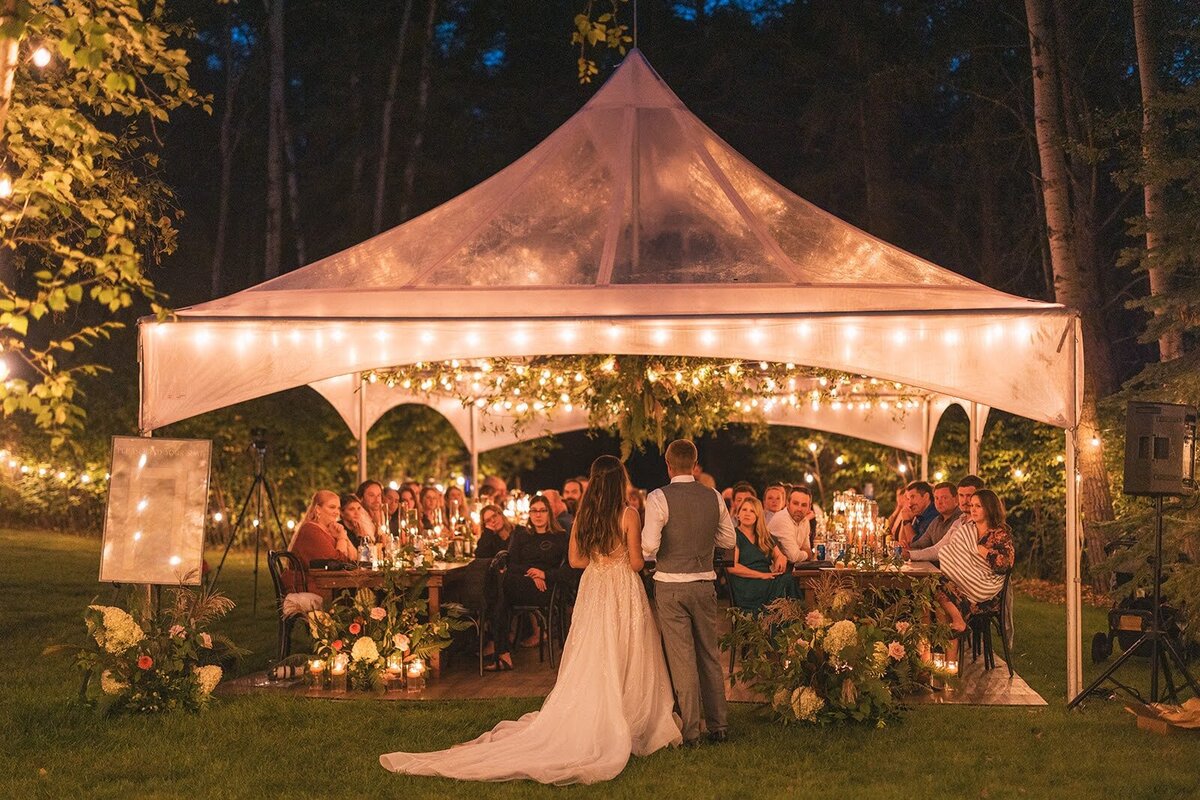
644,398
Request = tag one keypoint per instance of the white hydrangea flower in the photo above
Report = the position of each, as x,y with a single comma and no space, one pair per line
120,631
110,685
840,635
208,678
364,649
806,704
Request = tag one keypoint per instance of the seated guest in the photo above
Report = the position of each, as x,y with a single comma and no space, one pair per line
487,494
500,488
370,494
353,519
974,560
432,510
739,492
918,514
558,508
456,503
572,491
792,528
408,498
391,508
945,500
774,499
754,576
637,501
497,532
320,537
535,564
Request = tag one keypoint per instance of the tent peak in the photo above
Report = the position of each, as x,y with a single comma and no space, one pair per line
634,83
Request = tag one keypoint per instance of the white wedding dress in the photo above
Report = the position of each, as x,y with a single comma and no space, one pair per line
612,698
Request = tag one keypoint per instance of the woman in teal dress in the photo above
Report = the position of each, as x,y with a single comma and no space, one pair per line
758,574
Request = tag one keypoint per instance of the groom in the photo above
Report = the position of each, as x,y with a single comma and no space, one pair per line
685,521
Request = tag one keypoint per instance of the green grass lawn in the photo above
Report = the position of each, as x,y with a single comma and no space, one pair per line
256,747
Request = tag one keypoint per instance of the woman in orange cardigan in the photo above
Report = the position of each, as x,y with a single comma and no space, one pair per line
321,537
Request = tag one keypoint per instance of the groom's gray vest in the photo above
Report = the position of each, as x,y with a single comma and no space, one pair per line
690,535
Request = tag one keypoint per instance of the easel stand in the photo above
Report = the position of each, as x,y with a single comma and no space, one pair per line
260,490
1162,648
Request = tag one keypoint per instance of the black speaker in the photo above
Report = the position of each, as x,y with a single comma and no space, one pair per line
1160,449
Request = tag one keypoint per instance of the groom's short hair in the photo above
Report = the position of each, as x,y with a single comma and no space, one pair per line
681,455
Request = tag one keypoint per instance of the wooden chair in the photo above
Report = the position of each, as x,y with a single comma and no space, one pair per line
288,576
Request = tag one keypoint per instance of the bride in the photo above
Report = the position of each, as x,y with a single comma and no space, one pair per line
613,697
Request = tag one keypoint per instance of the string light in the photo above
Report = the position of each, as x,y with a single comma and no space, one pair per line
41,57
6,186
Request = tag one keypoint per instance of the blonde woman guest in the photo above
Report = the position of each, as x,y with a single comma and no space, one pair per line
320,537
497,532
753,576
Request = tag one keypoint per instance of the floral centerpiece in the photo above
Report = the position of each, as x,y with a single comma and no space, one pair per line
848,659
373,628
167,662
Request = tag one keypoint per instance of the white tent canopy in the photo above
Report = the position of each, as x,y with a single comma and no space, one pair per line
632,229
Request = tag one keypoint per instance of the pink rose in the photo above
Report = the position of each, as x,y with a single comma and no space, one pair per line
145,662
177,630
896,651
902,627
205,640
814,619
355,629
401,642
378,613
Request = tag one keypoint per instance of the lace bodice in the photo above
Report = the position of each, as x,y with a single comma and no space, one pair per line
616,558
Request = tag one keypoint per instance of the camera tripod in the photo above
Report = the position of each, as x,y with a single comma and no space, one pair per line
1162,648
259,490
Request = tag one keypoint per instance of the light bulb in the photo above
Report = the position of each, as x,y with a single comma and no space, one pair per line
6,188
41,57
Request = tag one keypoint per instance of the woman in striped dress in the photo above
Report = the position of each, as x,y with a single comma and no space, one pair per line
975,562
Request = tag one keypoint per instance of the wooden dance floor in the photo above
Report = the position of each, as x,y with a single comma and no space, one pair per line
460,680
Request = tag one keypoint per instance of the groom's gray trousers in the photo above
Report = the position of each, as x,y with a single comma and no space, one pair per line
687,616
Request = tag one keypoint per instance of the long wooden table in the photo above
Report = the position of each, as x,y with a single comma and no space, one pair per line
374,579
807,579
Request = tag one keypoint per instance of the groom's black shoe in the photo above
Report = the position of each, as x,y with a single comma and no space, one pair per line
718,737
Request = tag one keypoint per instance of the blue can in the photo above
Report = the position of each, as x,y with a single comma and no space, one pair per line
898,553
821,551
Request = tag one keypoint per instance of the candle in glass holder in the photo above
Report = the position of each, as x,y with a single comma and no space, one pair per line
939,661
416,675
339,664
316,666
952,667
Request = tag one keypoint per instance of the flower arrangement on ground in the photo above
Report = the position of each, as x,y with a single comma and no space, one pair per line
167,662
372,627
848,659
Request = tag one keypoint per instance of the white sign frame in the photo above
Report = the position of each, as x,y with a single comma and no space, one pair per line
155,515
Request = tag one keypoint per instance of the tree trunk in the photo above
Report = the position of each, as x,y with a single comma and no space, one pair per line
1074,283
293,186
385,127
414,152
10,53
226,147
274,247
1170,343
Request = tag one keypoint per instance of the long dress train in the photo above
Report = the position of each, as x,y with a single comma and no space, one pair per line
612,698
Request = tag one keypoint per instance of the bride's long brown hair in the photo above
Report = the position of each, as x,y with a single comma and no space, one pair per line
597,526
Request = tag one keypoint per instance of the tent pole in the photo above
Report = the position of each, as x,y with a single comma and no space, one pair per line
973,438
1072,550
362,428
925,443
474,457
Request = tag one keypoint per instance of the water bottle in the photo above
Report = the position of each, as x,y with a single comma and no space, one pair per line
364,552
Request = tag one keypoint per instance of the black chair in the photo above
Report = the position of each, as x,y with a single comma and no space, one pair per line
981,631
540,612
562,602
288,575
470,589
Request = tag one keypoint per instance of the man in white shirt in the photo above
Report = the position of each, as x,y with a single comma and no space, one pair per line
685,522
792,528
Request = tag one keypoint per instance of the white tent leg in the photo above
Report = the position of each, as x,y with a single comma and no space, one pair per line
474,457
362,428
1073,584
973,438
925,443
